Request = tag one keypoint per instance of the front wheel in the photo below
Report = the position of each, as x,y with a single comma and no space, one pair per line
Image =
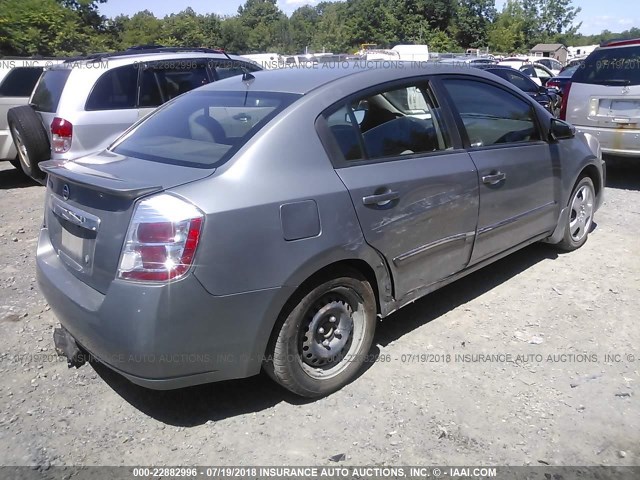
325,338
580,218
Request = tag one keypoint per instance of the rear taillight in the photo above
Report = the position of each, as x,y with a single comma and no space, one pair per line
565,101
61,135
162,239
553,84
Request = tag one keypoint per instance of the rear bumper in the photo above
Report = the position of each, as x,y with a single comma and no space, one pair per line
623,142
162,336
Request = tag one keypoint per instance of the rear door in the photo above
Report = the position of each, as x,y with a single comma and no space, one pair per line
415,195
515,168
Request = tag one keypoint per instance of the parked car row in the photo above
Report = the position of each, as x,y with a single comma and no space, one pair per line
265,220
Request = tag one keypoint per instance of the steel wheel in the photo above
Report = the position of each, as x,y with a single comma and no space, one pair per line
331,334
323,341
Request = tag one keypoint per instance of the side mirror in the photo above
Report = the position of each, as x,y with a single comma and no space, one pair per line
561,130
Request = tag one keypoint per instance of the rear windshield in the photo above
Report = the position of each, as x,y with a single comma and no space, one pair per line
611,66
49,90
202,129
20,82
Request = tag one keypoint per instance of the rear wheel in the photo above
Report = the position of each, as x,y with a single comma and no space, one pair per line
30,139
580,218
323,341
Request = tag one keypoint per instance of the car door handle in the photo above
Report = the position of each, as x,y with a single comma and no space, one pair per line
494,178
381,198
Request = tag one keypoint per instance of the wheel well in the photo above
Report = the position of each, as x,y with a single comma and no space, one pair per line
342,267
592,172
333,270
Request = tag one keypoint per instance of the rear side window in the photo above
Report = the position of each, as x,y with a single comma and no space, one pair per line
49,90
611,66
115,90
388,124
204,128
491,115
166,80
20,82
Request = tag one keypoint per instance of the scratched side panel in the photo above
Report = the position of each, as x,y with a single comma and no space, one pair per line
427,234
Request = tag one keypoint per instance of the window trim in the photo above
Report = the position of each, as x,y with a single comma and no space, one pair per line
449,129
543,134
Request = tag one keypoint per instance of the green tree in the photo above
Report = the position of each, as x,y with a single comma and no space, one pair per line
41,27
143,28
262,22
303,25
333,33
472,22
506,34
188,29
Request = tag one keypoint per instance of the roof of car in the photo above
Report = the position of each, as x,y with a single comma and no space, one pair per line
302,80
620,43
147,54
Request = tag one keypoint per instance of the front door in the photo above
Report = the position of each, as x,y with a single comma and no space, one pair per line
514,164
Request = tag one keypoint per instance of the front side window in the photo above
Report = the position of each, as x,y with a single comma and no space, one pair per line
491,115
115,90
166,80
391,123
202,129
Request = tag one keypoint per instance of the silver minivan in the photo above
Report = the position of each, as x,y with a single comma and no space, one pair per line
81,106
603,98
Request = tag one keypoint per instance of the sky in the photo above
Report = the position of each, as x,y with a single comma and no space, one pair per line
596,15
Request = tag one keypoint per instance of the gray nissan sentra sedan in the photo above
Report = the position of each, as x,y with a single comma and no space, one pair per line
266,221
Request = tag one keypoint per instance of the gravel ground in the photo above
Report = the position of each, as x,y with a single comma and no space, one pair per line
552,396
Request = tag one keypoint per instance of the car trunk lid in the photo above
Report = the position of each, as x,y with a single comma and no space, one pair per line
89,204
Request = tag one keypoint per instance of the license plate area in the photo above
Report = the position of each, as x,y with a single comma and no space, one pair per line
77,246
73,235
628,109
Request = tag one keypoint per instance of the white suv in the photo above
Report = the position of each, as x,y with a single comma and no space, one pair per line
81,106
603,98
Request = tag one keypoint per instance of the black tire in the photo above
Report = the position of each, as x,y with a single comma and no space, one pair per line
30,140
580,218
16,163
298,356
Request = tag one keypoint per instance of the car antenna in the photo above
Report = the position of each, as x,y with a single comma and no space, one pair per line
247,77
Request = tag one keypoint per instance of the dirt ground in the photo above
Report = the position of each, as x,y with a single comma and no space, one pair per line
562,387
